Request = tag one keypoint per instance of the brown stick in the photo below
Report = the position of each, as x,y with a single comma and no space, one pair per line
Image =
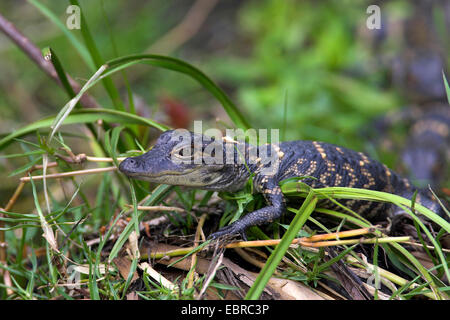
33,52
69,174
194,255
156,208
2,224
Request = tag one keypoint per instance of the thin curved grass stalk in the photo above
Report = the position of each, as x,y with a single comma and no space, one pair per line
170,63
48,232
431,238
67,109
84,116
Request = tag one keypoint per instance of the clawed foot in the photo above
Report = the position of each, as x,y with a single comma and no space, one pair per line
228,232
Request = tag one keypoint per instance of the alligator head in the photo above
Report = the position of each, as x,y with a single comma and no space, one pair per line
183,158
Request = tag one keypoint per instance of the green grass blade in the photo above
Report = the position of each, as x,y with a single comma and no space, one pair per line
295,189
135,213
269,268
79,47
59,71
447,88
25,167
67,109
84,116
182,67
116,54
432,239
420,268
111,143
159,193
25,154
98,60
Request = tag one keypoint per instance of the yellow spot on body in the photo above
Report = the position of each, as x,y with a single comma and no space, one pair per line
323,177
330,166
387,171
350,172
338,180
371,180
320,149
312,168
407,184
364,158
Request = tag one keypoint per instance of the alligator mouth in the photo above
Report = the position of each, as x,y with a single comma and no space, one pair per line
141,175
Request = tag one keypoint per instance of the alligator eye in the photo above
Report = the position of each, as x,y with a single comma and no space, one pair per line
184,152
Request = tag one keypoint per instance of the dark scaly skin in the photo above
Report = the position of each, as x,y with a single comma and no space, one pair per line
410,50
427,152
329,164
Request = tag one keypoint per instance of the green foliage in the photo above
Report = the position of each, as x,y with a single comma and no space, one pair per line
312,51
267,271
302,72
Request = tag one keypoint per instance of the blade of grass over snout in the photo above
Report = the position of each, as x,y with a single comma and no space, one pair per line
269,268
84,53
98,60
84,116
182,67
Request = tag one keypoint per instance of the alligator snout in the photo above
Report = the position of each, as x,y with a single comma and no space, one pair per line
128,166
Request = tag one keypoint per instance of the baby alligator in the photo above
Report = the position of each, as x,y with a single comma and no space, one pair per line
207,163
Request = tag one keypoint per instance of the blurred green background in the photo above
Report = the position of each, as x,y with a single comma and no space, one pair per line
310,68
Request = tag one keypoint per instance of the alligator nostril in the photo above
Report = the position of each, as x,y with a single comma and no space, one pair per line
127,165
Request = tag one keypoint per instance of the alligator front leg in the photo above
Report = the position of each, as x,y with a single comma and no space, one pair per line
262,216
